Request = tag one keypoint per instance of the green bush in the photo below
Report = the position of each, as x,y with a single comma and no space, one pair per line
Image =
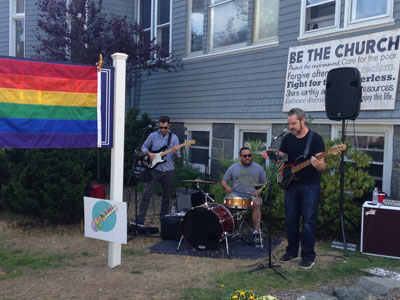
45,183
357,183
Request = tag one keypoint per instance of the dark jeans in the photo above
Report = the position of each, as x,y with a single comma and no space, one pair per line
302,200
167,181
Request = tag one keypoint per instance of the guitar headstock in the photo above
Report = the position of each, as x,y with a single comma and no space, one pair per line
192,142
337,149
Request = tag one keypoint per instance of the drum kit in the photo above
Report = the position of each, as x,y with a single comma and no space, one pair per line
206,226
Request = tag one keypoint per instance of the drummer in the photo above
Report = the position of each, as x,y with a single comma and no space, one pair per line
244,176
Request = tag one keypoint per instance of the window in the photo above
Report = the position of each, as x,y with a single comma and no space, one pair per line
362,9
196,25
266,13
376,142
229,25
155,19
17,28
247,134
319,17
199,153
319,14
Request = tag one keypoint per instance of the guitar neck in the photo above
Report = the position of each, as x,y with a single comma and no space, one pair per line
298,167
170,150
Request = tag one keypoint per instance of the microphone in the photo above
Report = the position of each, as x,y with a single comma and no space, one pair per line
281,134
147,127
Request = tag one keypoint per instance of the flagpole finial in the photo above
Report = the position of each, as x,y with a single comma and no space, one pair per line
99,64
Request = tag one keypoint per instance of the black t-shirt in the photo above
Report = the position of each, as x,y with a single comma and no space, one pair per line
294,148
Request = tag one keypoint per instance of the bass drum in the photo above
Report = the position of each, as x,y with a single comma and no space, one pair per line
205,226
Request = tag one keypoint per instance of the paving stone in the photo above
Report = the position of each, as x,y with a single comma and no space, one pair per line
310,295
381,287
345,293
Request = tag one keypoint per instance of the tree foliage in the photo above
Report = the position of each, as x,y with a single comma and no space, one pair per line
78,31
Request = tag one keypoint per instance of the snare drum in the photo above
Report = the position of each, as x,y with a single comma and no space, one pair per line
237,202
205,226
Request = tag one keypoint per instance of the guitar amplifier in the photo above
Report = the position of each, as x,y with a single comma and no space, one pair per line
186,198
379,224
171,227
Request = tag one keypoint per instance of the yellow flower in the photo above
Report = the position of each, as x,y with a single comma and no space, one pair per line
234,297
222,285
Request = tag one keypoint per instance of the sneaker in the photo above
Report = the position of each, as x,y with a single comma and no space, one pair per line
257,242
288,258
139,223
306,264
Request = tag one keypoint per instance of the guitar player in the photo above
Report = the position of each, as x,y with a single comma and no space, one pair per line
163,138
302,194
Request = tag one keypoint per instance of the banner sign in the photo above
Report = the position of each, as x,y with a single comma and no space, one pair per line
52,105
106,220
375,55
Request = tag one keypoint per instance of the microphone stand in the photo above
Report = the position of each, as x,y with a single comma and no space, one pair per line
268,201
134,175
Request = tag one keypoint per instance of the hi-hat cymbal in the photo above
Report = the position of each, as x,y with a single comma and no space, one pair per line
198,181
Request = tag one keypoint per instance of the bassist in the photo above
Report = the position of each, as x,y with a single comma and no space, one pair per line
302,195
163,138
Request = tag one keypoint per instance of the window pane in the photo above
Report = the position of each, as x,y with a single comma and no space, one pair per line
163,40
320,16
198,156
196,25
163,11
254,136
202,138
20,6
229,23
311,2
371,145
145,13
19,38
368,8
266,20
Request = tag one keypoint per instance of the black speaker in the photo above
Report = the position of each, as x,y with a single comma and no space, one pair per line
343,94
379,227
171,227
186,198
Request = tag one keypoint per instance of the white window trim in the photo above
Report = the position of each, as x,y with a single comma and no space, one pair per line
189,31
372,21
153,21
13,17
387,132
317,32
348,27
238,135
199,127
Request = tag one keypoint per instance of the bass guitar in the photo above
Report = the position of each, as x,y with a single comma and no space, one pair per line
160,153
287,171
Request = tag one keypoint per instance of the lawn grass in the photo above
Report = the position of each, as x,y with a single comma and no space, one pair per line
17,262
262,282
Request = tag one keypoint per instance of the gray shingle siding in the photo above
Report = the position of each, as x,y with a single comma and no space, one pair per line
4,27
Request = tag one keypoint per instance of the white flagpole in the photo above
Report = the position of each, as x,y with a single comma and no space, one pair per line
117,151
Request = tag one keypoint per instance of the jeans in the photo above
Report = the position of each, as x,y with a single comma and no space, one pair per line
167,181
302,200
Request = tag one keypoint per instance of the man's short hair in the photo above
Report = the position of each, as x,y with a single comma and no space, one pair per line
298,112
243,148
163,119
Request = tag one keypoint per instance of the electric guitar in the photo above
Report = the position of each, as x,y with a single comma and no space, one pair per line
287,170
160,153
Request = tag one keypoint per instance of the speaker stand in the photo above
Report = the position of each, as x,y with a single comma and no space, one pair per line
341,214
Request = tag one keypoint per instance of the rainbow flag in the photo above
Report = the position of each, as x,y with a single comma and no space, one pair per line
49,105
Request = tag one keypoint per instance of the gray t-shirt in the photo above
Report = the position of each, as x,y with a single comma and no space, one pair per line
244,178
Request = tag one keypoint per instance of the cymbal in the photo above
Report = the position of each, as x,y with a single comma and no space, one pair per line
198,181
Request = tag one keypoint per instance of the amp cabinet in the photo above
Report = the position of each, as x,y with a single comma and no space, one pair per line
379,230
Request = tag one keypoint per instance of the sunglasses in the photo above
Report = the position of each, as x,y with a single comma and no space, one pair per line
161,127
246,155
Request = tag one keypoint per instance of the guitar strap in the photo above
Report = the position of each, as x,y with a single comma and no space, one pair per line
169,138
307,148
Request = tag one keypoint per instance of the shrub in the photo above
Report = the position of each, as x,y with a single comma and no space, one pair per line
45,183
